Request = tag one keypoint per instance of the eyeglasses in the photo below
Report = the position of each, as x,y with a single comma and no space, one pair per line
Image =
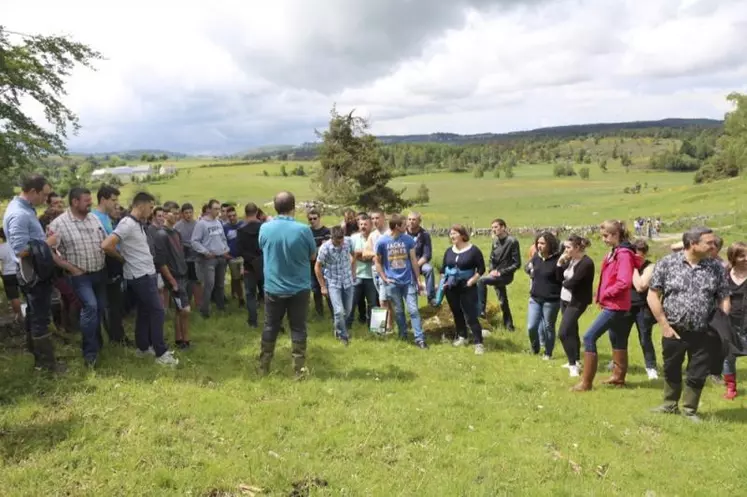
313,218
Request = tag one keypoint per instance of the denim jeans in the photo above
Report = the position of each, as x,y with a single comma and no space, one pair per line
364,293
430,280
401,296
541,320
342,307
90,288
250,290
214,283
644,322
619,324
150,314
276,306
730,363
501,291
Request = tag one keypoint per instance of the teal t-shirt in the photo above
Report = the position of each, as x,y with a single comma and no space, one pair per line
363,270
287,248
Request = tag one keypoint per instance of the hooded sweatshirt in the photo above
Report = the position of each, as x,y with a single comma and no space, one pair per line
208,237
616,278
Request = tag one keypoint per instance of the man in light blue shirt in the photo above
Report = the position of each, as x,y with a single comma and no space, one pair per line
21,226
287,251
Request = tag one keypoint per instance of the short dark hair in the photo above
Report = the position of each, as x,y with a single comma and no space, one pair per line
693,235
106,192
376,211
33,182
348,210
187,207
225,205
500,222
143,198
719,242
230,208
204,208
459,228
285,203
336,232
211,202
363,216
157,210
76,193
251,209
579,241
313,212
395,221
641,245
170,206
551,240
51,196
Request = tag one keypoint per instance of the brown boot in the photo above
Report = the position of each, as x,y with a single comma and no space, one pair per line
587,376
620,369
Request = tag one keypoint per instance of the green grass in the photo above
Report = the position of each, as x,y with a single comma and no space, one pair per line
378,418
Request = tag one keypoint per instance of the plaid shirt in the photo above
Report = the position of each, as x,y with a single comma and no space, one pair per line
80,241
336,263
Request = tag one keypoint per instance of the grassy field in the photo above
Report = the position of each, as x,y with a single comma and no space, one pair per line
381,417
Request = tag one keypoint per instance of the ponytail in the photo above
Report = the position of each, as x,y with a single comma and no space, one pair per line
616,226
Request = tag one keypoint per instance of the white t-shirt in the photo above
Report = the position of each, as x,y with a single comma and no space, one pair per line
8,259
565,294
133,245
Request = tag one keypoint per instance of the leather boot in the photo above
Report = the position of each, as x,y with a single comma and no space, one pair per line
690,401
44,355
672,392
298,351
620,368
731,386
588,374
267,350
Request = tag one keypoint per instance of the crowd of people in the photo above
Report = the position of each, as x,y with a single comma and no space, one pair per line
104,261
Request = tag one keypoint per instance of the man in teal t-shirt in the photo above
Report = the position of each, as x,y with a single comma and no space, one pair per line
287,251
397,266
365,288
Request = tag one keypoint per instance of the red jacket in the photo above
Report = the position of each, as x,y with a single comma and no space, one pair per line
616,278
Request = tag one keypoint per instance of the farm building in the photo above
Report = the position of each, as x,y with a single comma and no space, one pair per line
123,173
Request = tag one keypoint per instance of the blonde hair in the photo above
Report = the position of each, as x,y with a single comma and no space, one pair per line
616,226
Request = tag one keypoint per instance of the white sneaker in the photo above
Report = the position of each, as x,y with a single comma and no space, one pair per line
444,339
479,349
652,374
145,353
460,342
167,359
611,366
573,371
546,357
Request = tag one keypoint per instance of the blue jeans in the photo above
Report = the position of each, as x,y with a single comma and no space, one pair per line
541,320
90,288
619,324
342,307
430,280
150,314
401,296
730,363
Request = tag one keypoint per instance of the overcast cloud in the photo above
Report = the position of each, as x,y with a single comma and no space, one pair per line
227,75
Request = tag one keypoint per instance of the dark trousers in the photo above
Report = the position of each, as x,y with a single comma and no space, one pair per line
114,311
462,301
319,298
297,308
644,322
150,314
363,294
696,346
251,289
568,332
501,291
38,312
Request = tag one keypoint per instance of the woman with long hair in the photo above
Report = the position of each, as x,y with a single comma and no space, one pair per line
577,271
462,266
641,314
613,296
544,294
736,254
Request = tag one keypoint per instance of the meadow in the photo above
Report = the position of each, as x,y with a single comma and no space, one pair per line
379,418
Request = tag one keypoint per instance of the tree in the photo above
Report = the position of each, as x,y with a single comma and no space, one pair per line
283,171
731,157
351,171
626,161
35,68
423,195
584,173
603,165
477,172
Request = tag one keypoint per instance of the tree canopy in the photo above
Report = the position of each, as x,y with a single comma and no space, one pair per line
351,172
35,68
731,157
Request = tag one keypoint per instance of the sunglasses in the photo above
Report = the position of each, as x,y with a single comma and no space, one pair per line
313,218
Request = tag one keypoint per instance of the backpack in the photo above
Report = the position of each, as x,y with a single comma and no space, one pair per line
38,266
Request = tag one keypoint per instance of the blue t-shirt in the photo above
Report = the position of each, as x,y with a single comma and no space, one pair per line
106,221
395,258
231,231
287,248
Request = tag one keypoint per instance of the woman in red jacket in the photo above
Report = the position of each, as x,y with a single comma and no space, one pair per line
613,296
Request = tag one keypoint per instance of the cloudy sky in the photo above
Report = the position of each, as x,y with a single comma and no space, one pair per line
226,75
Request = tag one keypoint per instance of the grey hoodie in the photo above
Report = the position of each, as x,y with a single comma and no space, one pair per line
209,237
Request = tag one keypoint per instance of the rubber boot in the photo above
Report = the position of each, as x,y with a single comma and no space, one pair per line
44,355
620,369
672,394
267,350
588,374
731,386
298,351
690,401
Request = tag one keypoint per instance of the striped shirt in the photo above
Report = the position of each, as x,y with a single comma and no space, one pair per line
80,240
337,264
